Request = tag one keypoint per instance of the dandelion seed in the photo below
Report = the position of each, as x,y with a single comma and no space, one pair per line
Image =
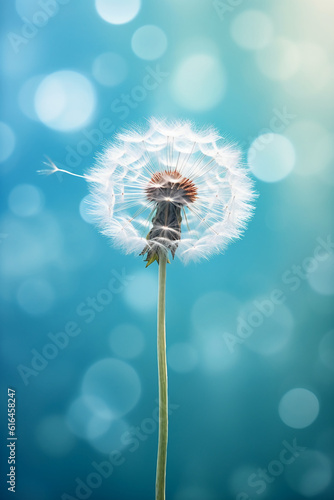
166,191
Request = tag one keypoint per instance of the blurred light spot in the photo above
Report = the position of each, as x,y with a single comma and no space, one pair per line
252,29
35,296
271,157
85,210
326,350
267,326
314,73
141,292
117,11
298,408
198,83
322,279
53,436
115,383
111,439
26,200
65,100
26,97
110,69
182,357
310,474
149,42
88,417
126,341
313,146
7,141
279,60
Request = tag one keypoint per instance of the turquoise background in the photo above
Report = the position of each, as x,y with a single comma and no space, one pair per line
263,76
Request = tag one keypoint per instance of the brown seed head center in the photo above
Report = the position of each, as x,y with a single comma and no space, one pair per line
171,186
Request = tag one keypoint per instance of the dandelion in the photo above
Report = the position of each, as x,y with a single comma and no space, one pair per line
163,192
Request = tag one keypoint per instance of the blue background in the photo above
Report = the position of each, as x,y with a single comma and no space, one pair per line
219,65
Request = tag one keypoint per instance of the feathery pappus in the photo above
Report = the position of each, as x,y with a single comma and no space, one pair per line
170,188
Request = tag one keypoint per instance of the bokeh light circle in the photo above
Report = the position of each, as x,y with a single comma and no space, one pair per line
113,382
111,439
88,417
322,279
118,11
199,82
84,209
313,145
126,341
35,296
326,350
25,200
7,141
110,69
65,100
271,157
252,29
182,357
310,474
279,60
149,42
298,408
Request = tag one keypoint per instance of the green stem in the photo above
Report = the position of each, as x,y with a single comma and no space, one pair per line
163,397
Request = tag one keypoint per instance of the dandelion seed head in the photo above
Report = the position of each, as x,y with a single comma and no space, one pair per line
170,188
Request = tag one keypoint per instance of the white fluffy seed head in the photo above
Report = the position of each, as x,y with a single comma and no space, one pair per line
197,175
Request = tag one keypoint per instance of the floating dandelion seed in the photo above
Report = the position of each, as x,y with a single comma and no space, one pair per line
169,190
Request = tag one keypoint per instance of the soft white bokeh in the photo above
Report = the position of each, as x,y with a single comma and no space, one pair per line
299,408
279,60
313,145
7,141
199,82
115,383
84,209
65,101
271,157
88,418
118,11
149,42
310,474
111,440
252,29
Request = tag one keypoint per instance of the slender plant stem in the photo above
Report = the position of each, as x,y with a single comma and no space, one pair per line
160,484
